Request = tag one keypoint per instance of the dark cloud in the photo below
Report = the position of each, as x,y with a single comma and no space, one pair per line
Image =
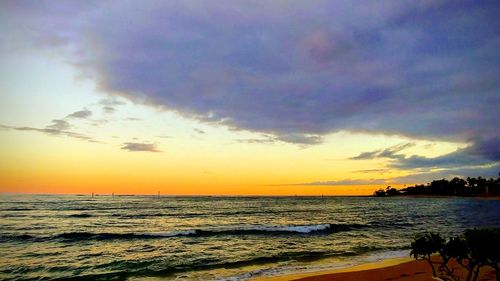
135,146
480,152
85,113
424,69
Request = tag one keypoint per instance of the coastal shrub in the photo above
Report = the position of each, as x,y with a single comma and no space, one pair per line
425,246
473,250
484,248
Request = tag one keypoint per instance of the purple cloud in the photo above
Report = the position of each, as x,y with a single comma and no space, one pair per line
291,69
482,152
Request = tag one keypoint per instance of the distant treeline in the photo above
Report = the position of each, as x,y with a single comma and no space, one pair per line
455,187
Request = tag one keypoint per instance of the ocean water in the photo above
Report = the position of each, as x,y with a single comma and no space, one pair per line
54,237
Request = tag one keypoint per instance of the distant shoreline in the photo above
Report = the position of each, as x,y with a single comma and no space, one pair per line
478,196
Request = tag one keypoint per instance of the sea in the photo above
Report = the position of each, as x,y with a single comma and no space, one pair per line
71,237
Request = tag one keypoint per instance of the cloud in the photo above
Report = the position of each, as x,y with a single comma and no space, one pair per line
258,141
416,178
135,146
463,172
421,69
55,129
109,105
344,182
381,171
480,152
85,113
391,152
58,125
61,127
164,137
111,101
108,109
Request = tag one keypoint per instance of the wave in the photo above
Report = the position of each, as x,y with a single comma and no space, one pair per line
82,215
126,269
314,229
208,214
20,237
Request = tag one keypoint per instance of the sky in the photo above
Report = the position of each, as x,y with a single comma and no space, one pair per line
246,97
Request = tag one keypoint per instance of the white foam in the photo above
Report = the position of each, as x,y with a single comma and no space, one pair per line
297,228
169,234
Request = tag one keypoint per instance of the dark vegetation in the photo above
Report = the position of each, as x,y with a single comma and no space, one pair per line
454,187
475,249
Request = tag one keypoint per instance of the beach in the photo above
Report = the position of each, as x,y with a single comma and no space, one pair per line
399,269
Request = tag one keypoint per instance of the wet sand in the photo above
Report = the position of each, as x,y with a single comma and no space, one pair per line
403,269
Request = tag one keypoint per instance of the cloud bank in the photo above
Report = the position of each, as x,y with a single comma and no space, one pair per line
291,70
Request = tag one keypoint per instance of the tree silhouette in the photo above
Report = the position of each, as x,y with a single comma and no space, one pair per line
443,187
472,251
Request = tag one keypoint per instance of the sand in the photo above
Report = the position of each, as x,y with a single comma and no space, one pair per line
403,269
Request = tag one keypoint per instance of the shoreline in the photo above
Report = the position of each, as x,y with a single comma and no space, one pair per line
353,268
394,269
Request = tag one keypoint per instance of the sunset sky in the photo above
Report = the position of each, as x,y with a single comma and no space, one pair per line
246,97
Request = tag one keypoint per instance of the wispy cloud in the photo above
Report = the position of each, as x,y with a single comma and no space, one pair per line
135,146
391,152
108,109
109,105
56,129
258,140
60,127
111,101
342,182
164,137
84,113
415,178
380,171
